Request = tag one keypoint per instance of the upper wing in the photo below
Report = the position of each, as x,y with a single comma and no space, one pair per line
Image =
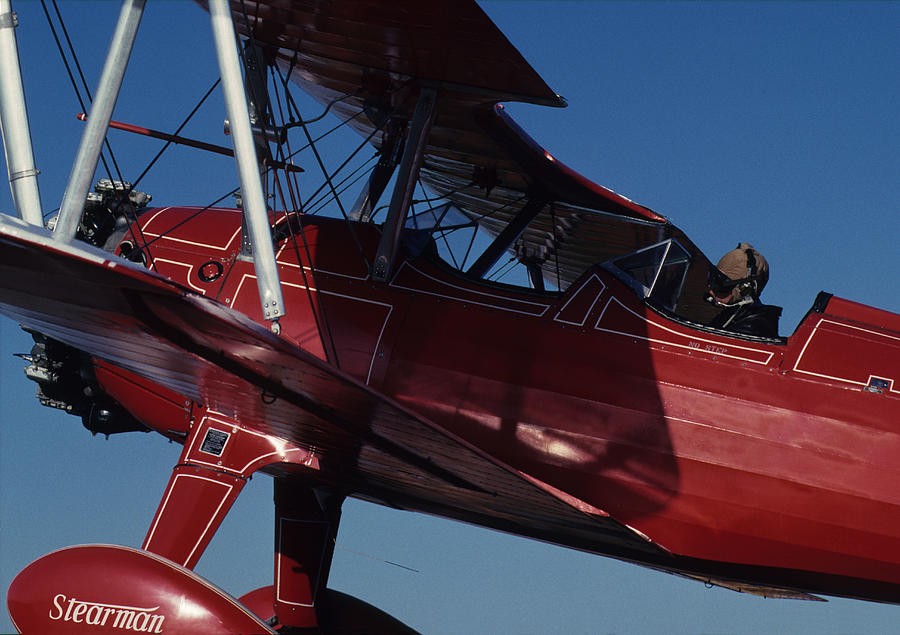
374,447
367,60
380,46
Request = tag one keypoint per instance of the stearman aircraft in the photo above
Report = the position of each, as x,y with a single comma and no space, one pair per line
368,355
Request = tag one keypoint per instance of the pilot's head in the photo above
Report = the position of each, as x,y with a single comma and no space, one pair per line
741,273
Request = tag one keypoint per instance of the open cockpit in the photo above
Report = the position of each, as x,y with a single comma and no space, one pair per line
667,277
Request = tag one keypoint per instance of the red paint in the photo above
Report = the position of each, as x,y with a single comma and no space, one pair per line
584,418
164,410
771,463
261,601
219,456
100,588
717,448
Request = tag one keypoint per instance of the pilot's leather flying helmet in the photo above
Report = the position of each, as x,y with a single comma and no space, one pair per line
742,271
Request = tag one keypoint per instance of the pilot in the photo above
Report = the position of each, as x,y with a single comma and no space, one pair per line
735,284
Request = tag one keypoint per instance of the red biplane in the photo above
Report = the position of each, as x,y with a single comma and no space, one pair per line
370,354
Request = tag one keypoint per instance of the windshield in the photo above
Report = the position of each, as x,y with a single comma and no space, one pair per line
656,273
444,217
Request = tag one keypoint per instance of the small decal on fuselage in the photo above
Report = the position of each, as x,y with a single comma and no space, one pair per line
709,348
214,442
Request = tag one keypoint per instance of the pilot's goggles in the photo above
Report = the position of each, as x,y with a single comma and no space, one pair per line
719,283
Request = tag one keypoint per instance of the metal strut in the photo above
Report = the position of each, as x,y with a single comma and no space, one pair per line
254,203
85,163
381,175
407,175
507,237
14,123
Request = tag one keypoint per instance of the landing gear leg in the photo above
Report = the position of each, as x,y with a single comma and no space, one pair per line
306,524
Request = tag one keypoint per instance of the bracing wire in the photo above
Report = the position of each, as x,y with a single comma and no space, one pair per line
87,90
319,316
503,270
313,207
192,216
328,106
365,555
84,108
336,127
296,201
143,239
443,234
177,130
292,109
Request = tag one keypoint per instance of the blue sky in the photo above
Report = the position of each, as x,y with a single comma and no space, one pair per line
772,123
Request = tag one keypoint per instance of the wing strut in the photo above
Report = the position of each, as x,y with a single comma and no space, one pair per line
14,123
507,237
101,112
364,206
254,203
406,183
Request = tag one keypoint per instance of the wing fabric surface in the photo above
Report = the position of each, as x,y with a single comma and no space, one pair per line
367,60
379,450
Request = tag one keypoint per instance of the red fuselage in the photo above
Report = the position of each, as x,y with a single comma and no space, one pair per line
777,458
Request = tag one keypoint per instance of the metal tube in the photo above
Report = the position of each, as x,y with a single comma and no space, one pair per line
380,176
185,141
107,93
14,124
507,237
408,172
254,204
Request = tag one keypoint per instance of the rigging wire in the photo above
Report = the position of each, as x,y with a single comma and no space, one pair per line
322,116
143,241
87,90
296,199
446,195
443,234
313,207
192,216
177,130
187,119
503,270
322,324
65,31
293,108
486,215
143,238
328,106
365,555
335,173
339,125
116,183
